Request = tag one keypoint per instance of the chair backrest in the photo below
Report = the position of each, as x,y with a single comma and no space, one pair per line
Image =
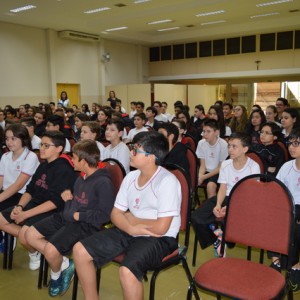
285,150
186,200
116,170
260,214
194,166
257,159
191,141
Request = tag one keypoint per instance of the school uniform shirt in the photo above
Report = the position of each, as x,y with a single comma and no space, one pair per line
161,118
132,113
93,198
229,175
134,131
67,148
212,154
50,180
159,197
101,149
35,142
10,169
290,176
120,153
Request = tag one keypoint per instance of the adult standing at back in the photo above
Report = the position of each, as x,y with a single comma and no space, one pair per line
112,99
63,99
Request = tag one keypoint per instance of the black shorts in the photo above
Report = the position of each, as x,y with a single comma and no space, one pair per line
213,179
141,253
30,221
11,201
64,235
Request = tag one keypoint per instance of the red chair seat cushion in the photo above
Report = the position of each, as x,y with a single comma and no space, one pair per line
240,278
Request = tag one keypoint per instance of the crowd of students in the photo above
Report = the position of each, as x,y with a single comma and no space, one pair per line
54,212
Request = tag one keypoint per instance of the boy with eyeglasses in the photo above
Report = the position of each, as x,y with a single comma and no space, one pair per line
272,155
43,194
146,216
289,174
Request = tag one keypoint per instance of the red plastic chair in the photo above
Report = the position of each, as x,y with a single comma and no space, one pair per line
265,221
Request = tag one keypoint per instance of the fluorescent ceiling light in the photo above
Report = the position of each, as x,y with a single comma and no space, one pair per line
92,11
159,22
140,1
273,3
167,29
211,13
215,22
27,7
264,15
115,29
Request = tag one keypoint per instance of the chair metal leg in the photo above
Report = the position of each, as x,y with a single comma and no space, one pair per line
190,278
98,274
152,285
261,256
41,272
10,250
45,274
75,286
5,253
195,251
249,253
219,297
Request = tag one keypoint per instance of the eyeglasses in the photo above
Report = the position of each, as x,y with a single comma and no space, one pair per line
46,146
135,151
266,132
294,144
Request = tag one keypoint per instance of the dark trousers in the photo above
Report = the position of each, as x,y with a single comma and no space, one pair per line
201,218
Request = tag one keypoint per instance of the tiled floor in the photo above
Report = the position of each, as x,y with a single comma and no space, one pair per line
21,283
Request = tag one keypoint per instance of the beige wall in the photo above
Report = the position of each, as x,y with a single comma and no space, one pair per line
33,60
170,93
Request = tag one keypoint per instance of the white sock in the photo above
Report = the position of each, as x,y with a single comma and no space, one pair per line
33,253
55,275
65,263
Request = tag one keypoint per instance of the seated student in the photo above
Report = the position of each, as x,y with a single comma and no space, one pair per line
270,152
227,111
40,121
85,212
232,170
146,216
30,124
212,151
151,113
139,122
42,196
90,130
132,109
57,123
16,166
117,149
160,117
177,151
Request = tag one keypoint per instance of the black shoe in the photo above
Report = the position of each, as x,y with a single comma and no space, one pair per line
294,280
276,265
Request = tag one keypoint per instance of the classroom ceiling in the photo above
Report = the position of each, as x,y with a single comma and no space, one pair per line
233,18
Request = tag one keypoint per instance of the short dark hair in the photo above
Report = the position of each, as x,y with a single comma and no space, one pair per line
170,129
89,151
12,111
57,120
70,110
227,104
21,132
243,137
157,102
284,101
53,103
294,135
56,137
29,121
153,142
212,123
94,127
82,117
133,102
276,130
164,102
118,122
142,104
153,109
140,115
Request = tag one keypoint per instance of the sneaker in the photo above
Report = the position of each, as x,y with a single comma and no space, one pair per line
294,280
217,248
67,276
276,265
34,261
55,287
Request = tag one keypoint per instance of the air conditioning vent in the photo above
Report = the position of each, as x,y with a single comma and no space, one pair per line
80,36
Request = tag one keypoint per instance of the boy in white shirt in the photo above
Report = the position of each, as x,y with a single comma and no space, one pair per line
212,151
146,216
231,171
139,122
